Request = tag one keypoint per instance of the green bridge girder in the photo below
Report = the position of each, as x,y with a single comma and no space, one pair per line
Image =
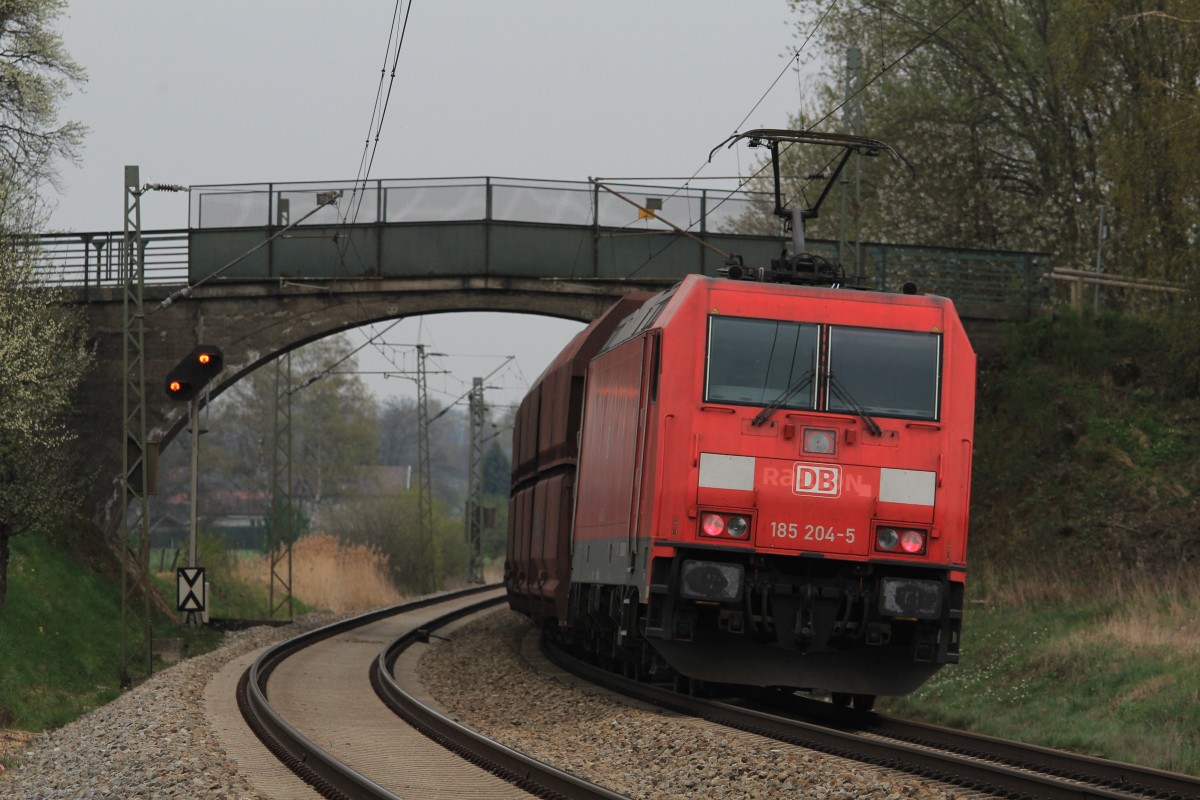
508,227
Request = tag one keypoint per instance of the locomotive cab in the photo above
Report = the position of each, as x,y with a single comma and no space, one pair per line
773,487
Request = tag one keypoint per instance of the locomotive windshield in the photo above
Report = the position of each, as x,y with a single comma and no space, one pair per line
868,371
888,373
756,361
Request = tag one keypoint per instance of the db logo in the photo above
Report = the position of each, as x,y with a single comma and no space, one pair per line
822,479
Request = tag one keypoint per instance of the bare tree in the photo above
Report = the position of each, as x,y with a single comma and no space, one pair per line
1024,118
36,73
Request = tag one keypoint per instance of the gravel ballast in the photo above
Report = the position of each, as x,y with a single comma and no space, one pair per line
155,741
484,678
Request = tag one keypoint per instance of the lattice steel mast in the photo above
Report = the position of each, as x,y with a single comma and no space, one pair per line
425,480
135,532
474,513
282,531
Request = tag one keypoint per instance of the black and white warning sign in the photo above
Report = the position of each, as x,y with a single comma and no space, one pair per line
190,589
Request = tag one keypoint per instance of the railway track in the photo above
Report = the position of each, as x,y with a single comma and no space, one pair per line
978,763
346,743
375,736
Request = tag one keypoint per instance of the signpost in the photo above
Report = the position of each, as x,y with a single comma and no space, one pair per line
191,591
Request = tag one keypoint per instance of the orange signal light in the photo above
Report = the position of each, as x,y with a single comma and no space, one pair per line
187,378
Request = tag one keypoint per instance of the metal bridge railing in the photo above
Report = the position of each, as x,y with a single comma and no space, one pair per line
94,259
259,205
239,215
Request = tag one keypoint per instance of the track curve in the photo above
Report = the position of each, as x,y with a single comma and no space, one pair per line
977,763
312,702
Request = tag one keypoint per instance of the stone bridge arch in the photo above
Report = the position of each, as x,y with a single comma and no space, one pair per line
254,322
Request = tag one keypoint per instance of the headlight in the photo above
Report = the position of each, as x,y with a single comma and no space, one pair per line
887,539
738,527
820,441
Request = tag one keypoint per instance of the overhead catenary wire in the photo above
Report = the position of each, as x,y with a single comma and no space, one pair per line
795,57
378,113
329,369
762,168
180,294
379,91
467,393
400,371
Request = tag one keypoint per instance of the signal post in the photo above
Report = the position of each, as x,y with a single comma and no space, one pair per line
184,383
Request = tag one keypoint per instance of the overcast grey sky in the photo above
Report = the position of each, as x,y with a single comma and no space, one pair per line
246,91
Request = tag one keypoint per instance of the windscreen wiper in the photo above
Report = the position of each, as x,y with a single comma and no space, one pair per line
787,394
846,398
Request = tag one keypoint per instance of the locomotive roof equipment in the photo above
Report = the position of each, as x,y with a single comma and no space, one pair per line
802,267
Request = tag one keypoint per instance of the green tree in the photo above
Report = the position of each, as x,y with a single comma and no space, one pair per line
285,523
391,524
43,352
448,432
43,355
497,471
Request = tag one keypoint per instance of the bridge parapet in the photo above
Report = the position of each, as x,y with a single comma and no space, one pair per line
467,199
511,227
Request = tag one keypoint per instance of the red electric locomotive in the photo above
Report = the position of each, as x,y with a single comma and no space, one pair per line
754,483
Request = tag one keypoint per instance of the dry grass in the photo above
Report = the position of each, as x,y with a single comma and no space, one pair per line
1030,584
329,574
1146,612
1157,614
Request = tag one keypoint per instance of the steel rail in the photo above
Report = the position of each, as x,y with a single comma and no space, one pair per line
334,779
914,757
1137,781
316,767
533,776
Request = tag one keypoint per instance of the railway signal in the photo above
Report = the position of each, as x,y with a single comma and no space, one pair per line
193,373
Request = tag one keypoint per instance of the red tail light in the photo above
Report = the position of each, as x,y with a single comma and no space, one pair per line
724,525
712,525
912,542
909,541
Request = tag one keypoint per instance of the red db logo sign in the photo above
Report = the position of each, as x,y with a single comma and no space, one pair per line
820,479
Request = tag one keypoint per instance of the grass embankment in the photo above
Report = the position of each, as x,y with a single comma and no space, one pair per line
1083,623
1113,676
60,644
59,637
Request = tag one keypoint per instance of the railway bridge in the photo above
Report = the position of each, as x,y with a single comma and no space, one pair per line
262,269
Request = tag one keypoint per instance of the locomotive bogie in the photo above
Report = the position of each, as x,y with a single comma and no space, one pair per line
805,623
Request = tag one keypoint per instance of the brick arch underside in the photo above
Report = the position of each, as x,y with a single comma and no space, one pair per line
253,328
